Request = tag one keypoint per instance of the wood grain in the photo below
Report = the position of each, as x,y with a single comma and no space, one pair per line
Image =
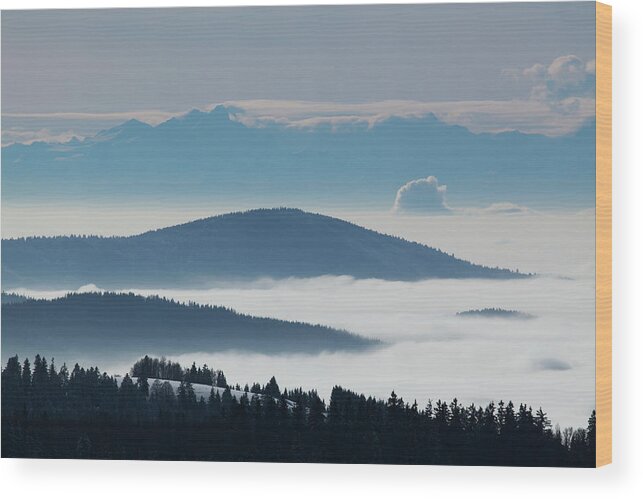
603,234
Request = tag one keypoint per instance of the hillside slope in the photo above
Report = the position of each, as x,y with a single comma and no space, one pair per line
116,323
273,243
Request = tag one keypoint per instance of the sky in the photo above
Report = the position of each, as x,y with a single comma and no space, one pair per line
487,66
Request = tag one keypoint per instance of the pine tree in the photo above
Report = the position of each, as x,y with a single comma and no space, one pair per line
316,412
26,373
53,375
143,386
11,386
192,375
12,373
127,395
63,376
221,380
40,372
542,422
591,440
226,401
272,388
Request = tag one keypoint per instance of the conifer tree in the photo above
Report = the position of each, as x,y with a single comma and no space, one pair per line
26,373
272,388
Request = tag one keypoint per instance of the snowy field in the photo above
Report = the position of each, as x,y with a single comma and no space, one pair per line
201,391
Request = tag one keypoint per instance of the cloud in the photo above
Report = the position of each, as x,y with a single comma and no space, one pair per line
27,128
506,209
527,115
552,365
424,195
560,99
153,117
427,196
12,136
566,80
89,288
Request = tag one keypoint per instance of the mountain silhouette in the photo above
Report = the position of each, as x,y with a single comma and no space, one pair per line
202,155
264,243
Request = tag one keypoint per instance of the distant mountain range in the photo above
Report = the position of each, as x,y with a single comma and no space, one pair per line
209,155
265,243
113,324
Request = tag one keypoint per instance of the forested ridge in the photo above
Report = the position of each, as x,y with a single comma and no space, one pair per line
495,312
85,413
263,243
117,322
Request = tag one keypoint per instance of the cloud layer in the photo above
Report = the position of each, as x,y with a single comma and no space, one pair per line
18,135
528,115
424,195
506,209
559,100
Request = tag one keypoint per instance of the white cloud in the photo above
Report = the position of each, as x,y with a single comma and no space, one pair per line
418,319
12,136
426,196
561,99
89,288
527,115
153,117
506,209
27,128
567,77
421,196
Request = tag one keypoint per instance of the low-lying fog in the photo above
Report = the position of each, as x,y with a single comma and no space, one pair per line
546,361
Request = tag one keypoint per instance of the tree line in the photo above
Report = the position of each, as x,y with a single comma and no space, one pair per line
85,413
149,367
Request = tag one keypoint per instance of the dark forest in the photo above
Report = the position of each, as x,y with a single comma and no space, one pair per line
84,413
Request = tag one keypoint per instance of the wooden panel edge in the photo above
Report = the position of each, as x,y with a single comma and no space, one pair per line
603,234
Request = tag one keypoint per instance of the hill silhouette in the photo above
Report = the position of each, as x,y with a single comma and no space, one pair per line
265,243
114,323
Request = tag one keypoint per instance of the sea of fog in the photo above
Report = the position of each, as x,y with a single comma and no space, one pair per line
432,353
